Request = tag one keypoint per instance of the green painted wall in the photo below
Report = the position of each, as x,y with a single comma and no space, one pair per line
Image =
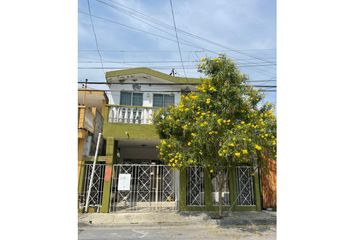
111,148
136,131
208,194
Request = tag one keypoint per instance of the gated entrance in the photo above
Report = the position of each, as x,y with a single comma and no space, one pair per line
144,187
95,199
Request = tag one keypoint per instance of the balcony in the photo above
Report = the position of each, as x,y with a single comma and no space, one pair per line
86,119
130,114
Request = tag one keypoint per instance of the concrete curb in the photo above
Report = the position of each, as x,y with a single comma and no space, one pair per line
104,221
210,222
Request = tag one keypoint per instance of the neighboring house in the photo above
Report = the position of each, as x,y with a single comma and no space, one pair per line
131,139
90,122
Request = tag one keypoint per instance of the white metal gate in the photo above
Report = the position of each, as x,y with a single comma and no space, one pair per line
95,199
144,187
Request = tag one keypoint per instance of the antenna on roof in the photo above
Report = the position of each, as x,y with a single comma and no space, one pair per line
173,72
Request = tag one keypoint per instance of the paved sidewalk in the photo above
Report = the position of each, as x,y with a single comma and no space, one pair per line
175,218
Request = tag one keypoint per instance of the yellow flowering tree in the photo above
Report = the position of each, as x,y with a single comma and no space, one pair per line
222,125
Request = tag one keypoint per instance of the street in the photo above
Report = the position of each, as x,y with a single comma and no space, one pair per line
178,232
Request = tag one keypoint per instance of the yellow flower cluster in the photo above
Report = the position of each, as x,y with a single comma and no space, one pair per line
212,89
207,101
257,147
174,160
222,152
213,132
237,154
227,122
244,151
194,97
220,121
190,161
185,126
205,123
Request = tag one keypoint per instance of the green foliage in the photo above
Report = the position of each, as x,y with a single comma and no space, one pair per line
223,125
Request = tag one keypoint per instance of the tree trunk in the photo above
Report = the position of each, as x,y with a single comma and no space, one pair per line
221,178
220,185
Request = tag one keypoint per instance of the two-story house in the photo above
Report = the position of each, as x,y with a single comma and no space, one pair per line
134,178
135,96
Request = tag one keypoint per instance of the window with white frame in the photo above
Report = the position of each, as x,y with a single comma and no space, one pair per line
131,99
163,100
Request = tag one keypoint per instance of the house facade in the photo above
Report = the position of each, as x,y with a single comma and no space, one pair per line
131,176
91,103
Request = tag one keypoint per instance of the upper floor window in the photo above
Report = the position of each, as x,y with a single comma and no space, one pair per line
131,99
163,100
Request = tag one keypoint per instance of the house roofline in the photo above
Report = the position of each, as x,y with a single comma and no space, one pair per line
151,72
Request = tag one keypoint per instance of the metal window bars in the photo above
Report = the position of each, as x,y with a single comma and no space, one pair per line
195,186
245,194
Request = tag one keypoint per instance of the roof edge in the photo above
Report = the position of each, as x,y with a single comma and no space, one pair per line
152,73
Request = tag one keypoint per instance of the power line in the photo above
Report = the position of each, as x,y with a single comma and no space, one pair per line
156,21
140,30
129,13
137,29
168,67
179,48
158,61
94,33
139,19
157,91
160,50
153,34
154,84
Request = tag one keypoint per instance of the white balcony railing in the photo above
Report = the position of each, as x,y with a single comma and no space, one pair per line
131,114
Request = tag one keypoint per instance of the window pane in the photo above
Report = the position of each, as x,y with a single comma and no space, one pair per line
137,99
125,98
169,100
158,100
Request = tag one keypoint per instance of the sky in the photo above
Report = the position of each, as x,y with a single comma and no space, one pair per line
140,33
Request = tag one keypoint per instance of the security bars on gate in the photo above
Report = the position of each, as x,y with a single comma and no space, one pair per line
95,199
168,193
244,186
151,187
195,186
